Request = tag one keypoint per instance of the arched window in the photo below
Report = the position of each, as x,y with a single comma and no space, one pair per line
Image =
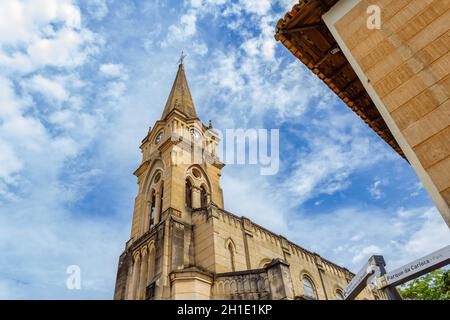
264,263
339,295
203,197
308,286
152,208
188,194
231,253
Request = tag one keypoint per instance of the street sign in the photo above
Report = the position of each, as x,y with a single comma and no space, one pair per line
416,268
359,281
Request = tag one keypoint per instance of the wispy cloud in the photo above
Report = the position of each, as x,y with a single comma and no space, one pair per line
97,9
375,189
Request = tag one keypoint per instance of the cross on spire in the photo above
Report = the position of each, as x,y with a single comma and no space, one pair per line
182,57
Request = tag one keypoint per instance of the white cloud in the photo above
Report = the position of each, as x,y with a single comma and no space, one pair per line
182,31
375,189
44,35
250,87
11,164
29,17
66,49
365,252
225,74
114,90
205,3
113,70
39,139
51,240
259,7
98,9
264,43
431,235
331,157
10,105
52,88
199,48
248,194
357,236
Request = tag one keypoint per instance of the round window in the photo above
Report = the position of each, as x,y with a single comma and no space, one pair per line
196,173
159,137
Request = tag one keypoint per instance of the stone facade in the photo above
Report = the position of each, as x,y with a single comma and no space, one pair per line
184,245
404,67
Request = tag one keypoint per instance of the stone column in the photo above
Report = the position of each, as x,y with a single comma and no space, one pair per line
147,216
129,277
140,213
196,203
175,128
247,232
136,276
143,275
132,283
321,271
157,207
151,264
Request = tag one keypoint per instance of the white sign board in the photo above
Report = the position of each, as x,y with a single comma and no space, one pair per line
417,268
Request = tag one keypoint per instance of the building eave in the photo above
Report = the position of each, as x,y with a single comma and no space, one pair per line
303,32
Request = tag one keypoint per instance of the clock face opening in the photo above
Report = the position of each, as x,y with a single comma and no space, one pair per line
195,134
159,137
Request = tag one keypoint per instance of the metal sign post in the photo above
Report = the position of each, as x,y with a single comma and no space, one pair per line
390,292
365,275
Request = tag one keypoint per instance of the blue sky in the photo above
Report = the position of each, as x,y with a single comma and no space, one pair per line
81,82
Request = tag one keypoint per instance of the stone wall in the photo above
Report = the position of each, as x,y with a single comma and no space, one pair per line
256,247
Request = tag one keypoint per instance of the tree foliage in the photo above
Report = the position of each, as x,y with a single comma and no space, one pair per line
432,286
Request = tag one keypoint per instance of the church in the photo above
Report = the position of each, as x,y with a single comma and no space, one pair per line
185,245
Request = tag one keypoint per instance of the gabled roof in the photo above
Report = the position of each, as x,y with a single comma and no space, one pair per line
180,96
304,33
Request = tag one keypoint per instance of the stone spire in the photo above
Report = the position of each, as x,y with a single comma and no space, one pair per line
180,97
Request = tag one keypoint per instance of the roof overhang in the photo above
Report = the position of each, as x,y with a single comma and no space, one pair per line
304,33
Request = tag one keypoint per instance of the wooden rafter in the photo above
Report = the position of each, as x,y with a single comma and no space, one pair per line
303,28
305,20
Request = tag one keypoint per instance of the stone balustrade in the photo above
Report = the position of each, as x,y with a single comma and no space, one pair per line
242,285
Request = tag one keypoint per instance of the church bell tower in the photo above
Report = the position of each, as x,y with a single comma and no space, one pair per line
179,173
185,245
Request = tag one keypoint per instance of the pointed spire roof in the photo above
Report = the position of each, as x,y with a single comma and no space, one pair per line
180,96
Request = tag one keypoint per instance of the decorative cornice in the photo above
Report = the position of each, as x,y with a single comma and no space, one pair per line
144,165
